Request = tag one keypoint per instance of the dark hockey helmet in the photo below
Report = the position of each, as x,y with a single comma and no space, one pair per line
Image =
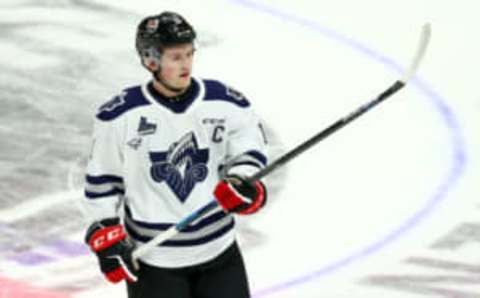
155,33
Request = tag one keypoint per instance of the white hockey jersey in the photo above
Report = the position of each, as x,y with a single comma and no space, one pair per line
154,162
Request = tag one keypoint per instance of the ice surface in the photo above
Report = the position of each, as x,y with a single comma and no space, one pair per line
357,216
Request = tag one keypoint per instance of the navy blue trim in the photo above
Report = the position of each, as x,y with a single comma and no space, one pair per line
221,168
258,156
215,90
248,163
102,179
178,243
184,101
155,156
97,195
165,226
129,99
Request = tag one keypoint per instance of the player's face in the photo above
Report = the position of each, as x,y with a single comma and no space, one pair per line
176,66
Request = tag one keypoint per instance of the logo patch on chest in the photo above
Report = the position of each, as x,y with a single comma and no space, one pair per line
135,143
181,167
146,128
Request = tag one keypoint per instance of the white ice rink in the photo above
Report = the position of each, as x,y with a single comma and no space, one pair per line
389,206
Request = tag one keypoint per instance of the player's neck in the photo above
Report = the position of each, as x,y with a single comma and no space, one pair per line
159,95
166,91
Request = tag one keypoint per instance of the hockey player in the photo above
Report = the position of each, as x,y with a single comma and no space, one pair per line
162,150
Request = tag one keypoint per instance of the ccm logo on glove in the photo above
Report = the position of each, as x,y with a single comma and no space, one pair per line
109,241
107,237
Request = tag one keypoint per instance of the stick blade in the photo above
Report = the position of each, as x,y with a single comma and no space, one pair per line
420,52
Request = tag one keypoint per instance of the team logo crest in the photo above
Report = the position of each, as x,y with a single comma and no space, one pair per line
181,167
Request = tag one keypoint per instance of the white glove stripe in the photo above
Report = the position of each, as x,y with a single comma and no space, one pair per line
242,197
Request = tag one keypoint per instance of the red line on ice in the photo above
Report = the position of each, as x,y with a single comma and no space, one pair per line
19,289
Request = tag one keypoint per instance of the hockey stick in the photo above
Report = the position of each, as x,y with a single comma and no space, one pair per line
395,87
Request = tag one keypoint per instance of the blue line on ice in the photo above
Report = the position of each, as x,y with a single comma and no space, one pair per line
459,157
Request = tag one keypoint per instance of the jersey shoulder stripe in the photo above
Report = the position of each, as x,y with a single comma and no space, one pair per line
216,90
129,99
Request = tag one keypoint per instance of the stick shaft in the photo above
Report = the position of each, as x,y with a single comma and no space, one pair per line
271,167
327,131
394,88
160,238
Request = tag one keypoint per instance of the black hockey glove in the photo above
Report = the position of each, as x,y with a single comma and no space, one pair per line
108,240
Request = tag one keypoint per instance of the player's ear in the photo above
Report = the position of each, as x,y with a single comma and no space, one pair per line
152,65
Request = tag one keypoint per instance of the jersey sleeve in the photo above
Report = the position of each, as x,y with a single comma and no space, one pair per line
104,183
247,144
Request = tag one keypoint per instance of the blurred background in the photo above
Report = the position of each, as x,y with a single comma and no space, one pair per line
387,207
